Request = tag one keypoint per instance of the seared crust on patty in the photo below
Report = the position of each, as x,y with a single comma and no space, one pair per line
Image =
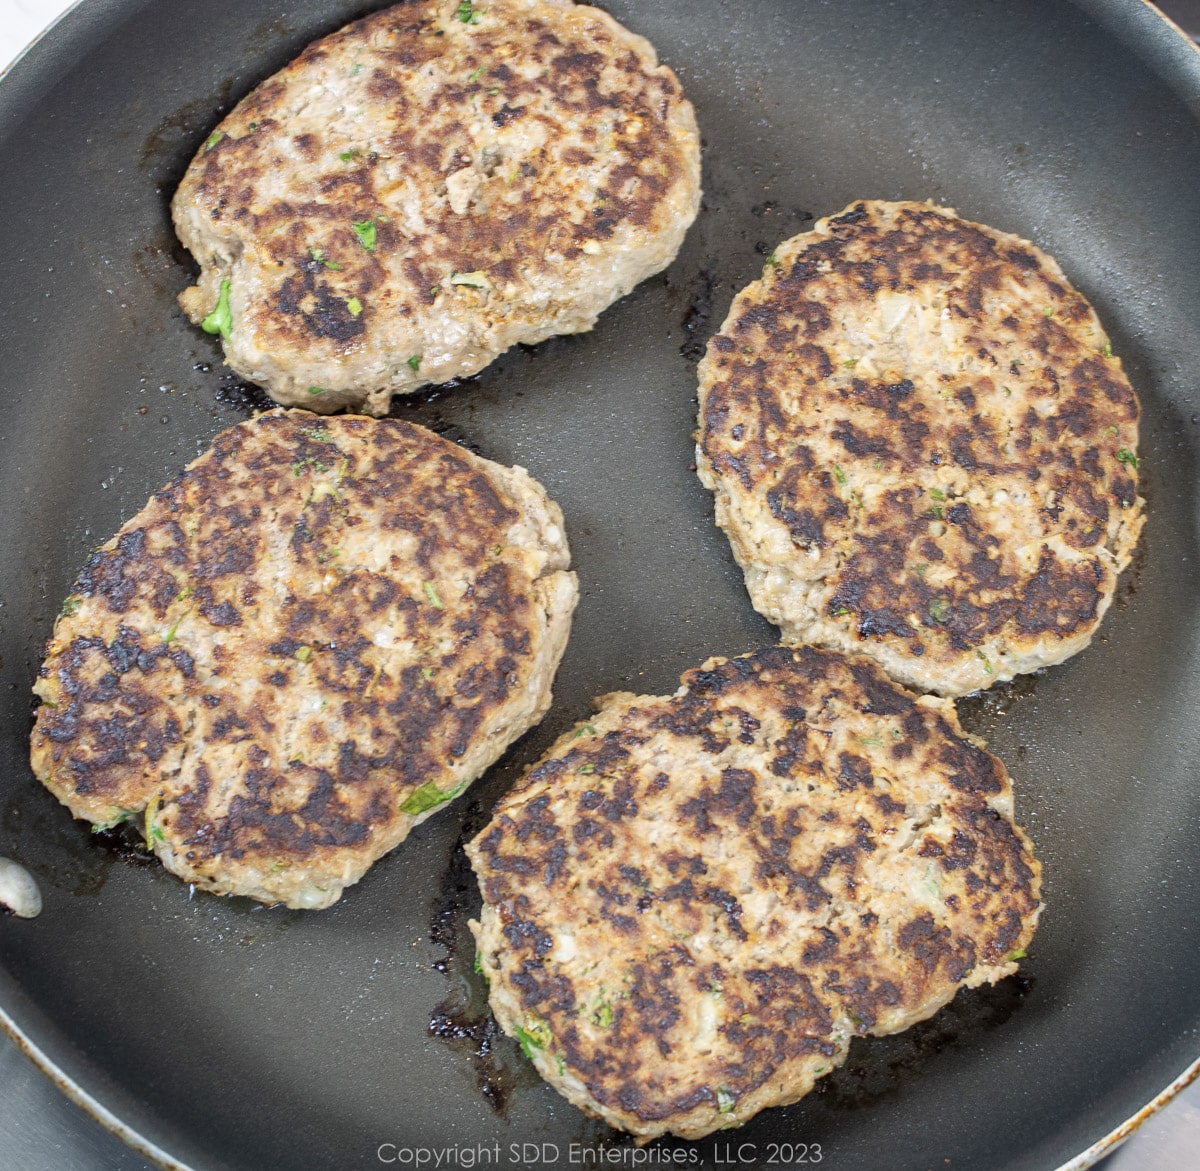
692,903
922,447
317,635
431,185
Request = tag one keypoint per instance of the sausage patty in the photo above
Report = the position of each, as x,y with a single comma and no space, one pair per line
317,635
692,903
429,186
922,447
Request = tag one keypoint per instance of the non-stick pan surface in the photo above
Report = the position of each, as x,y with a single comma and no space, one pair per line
232,1036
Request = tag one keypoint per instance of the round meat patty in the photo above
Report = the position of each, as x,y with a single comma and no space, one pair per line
922,447
693,903
429,186
317,635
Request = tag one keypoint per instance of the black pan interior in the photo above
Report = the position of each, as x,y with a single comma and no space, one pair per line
239,1037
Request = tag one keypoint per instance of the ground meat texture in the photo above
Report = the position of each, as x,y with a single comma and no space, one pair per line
692,903
922,447
429,186
310,641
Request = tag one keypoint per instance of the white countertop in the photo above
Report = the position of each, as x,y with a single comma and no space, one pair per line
22,20
41,1131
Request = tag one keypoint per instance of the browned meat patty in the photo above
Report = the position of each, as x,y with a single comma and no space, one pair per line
429,186
922,447
692,903
317,635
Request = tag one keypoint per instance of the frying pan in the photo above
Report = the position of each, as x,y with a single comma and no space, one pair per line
220,1034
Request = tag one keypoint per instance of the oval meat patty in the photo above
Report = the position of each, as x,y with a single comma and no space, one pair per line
693,903
922,447
317,635
429,186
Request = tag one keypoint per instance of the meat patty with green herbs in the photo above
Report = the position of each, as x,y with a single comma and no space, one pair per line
692,903
922,447
317,635
429,186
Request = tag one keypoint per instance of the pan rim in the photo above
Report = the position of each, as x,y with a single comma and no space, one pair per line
74,1091
1173,24
87,1102
37,40
92,1106
1121,1134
